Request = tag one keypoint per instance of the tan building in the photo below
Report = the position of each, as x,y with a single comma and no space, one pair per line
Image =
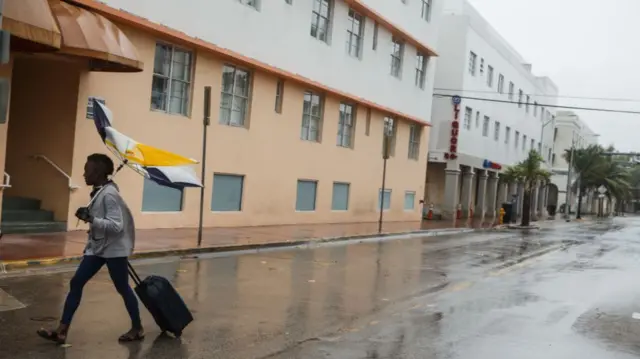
283,147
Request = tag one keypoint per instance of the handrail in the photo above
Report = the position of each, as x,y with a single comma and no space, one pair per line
72,186
6,182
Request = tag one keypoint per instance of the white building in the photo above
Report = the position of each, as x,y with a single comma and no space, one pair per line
502,114
569,130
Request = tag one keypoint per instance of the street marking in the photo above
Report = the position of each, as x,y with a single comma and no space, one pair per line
8,302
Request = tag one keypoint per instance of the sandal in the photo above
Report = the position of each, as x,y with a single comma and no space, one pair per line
52,336
134,335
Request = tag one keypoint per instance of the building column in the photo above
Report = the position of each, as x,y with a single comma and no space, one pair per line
481,206
467,191
542,200
535,192
450,205
492,193
520,198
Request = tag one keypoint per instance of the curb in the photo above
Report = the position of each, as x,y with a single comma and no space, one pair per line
8,266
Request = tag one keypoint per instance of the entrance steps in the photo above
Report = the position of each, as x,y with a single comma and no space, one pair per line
25,215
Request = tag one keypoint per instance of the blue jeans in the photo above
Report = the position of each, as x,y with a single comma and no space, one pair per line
118,271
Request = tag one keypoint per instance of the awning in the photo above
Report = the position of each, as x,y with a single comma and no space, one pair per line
92,36
31,24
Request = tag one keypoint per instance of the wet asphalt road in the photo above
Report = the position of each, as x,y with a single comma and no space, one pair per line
566,292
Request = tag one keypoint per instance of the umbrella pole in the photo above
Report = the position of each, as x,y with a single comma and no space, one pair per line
205,124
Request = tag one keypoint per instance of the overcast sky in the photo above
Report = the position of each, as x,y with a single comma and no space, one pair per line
589,48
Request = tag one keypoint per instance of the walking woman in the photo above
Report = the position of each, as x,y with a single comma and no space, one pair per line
111,241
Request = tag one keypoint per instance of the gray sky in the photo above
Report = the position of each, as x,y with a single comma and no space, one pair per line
589,48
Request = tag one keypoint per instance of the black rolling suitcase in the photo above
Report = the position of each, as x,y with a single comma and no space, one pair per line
163,302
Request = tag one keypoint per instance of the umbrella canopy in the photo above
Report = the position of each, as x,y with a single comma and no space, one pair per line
163,167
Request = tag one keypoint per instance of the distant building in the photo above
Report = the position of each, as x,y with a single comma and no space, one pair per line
502,116
569,129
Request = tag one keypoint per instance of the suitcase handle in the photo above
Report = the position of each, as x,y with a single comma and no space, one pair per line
133,274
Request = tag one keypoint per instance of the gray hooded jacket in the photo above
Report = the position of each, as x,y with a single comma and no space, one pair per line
112,233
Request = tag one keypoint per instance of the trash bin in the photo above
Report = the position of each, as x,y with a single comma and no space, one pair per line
508,209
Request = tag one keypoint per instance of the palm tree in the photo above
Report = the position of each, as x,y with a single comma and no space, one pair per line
594,169
529,172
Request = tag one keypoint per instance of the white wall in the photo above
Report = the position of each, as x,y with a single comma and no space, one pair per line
279,34
479,37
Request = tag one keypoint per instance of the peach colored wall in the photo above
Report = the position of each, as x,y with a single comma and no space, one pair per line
435,184
5,71
269,152
43,112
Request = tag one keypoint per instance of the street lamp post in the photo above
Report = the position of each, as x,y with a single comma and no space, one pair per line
386,150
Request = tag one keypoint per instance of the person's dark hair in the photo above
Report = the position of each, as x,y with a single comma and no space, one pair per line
103,161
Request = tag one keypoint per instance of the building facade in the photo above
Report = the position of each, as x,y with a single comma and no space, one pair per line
500,117
570,131
302,93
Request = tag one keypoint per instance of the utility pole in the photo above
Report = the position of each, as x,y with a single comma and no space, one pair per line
568,193
386,149
206,121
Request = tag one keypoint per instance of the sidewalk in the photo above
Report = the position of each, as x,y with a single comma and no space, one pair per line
37,249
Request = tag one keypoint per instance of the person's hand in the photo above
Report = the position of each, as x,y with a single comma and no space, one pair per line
83,214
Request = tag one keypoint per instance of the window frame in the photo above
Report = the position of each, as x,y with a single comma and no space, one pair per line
397,57
342,125
490,76
496,131
512,91
169,78
421,70
317,16
151,211
500,84
279,96
242,179
307,136
507,135
517,140
415,134
234,95
381,199
473,63
413,203
350,34
315,197
333,191
426,10
468,114
485,126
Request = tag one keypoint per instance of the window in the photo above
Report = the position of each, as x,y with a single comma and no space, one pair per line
540,148
468,112
477,119
367,127
252,3
485,126
535,108
320,19
426,10
171,84
549,155
507,135
524,142
345,125
501,83
355,30
520,95
496,131
409,201
227,193
384,199
553,159
390,130
306,195
517,141
527,106
533,144
397,49
289,1
157,198
415,131
421,70
473,59
340,199
234,101
279,95
311,117
489,76
375,35
511,91
542,113
481,66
